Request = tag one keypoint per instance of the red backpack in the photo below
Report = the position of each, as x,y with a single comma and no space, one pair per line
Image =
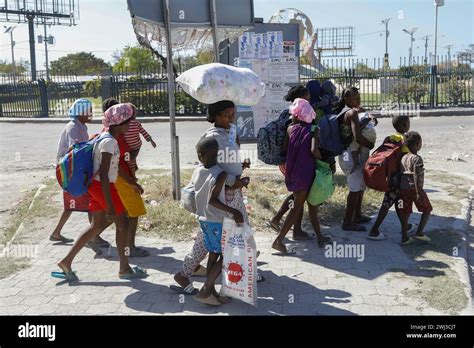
382,165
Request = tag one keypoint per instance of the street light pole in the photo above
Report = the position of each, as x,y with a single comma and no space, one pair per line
434,74
9,30
426,38
387,33
410,52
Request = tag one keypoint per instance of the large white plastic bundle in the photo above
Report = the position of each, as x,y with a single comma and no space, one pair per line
214,82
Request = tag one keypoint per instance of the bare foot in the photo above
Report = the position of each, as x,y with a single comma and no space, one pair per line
282,248
210,300
221,299
65,266
279,246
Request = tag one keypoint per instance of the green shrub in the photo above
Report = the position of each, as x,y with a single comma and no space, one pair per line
411,90
93,88
455,89
417,89
150,102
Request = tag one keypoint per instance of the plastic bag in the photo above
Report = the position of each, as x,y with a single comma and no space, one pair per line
239,269
188,198
323,184
214,82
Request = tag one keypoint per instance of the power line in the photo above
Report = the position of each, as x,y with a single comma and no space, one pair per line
374,32
66,51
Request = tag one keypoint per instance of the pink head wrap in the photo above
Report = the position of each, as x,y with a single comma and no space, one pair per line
303,110
117,114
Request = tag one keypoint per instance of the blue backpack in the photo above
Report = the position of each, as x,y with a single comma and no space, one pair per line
74,171
271,139
330,134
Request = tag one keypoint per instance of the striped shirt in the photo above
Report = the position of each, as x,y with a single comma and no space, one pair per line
132,137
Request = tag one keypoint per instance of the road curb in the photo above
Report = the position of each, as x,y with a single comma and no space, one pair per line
151,119
20,228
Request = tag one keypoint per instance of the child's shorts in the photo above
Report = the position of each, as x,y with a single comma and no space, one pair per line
391,197
408,197
132,200
97,202
212,232
80,203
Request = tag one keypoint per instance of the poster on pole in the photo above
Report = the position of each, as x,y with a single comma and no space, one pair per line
275,44
289,49
272,51
246,48
291,70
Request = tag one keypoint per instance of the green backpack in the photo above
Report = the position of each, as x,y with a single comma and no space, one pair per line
323,184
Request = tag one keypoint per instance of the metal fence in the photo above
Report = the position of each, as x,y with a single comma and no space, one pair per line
415,82
21,97
450,84
148,91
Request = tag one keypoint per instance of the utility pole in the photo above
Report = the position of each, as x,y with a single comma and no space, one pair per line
449,59
9,30
448,47
212,6
387,33
47,41
46,51
426,38
31,31
434,73
410,51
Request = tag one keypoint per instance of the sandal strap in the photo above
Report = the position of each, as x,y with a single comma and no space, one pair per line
139,270
189,288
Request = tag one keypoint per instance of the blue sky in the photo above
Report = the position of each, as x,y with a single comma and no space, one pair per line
105,26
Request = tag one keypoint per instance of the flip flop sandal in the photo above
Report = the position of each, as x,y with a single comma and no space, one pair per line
188,290
137,273
139,252
423,238
277,230
69,276
201,272
408,241
61,239
210,301
260,278
380,236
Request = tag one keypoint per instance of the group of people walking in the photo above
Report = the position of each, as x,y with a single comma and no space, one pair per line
114,195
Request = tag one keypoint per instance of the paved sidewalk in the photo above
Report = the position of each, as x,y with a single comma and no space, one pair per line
308,283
